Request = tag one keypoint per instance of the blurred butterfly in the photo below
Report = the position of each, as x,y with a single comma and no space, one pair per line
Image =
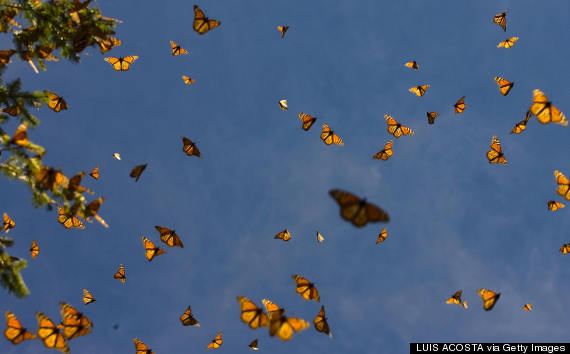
419,90
329,137
489,298
50,179
253,345
565,248
116,156
190,148
527,307
108,43
306,289
521,126
395,128
284,326
87,297
74,323
385,153
15,332
151,250
188,80
357,210
553,205
95,173
320,322
7,223
251,314
169,237
283,105
55,102
74,185
495,155
507,43
412,65
270,306
382,236
92,209
216,342
501,20
141,348
282,29
120,274
50,334
283,235
306,120
460,105
456,299
5,56
431,116
504,85
320,237
68,221
544,111
563,185
203,24
121,64
137,171
20,136
187,319
34,249
177,50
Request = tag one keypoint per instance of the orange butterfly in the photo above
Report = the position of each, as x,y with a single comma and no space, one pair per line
20,136
50,334
385,153
357,210
382,236
8,223
544,111
507,43
419,90
284,326
188,80
34,249
489,298
108,43
431,116
87,297
270,306
527,307
216,342
565,248
178,50
501,20
306,121
187,319
329,137
203,24
412,65
283,235
151,250
251,314
95,173
395,128
282,29
495,155
121,64
505,85
141,348
190,148
68,221
5,56
15,332
74,324
56,102
92,209
306,289
169,237
137,171
49,178
321,323
563,185
553,205
456,299
120,274
460,105
521,126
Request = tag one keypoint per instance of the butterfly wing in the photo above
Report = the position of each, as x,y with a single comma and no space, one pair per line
203,24
34,249
431,116
141,348
120,274
412,65
321,323
283,235
382,236
187,319
95,173
169,237
306,289
14,331
544,111
137,171
251,314
460,105
306,121
489,298
501,20
563,189
505,85
50,334
190,148
151,250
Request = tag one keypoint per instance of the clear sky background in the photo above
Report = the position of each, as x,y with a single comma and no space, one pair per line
457,222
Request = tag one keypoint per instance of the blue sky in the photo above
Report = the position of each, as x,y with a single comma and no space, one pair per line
457,222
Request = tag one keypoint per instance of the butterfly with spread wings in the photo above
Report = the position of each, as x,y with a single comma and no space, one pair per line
419,90
495,155
203,24
188,80
501,20
190,148
489,298
565,248
34,249
15,332
94,173
151,250
554,205
283,326
50,334
141,348
120,63
283,235
55,102
563,189
395,128
382,236
521,126
321,323
456,299
216,342
282,29
385,153
329,137
68,221
7,223
169,237
251,314
412,65
505,85
74,323
431,116
320,237
305,288
358,211
307,121
108,43
187,319
178,50
544,111
507,43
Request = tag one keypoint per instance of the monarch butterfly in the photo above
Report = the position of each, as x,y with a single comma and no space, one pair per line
357,210
519,127
306,289
251,314
120,274
544,111
87,297
169,237
202,24
74,324
507,43
94,173
563,185
270,306
5,56
283,235
495,155
460,105
419,90
178,50
190,148
385,153
553,205
504,85
151,250
14,111
320,322
489,298
55,102
108,43
74,185
49,178
34,249
8,223
92,209
501,20
382,236
282,29
283,105
456,299
141,348
50,334
68,221
565,248
431,116
137,171
116,156
20,136
412,65
121,64
188,80
216,342
253,345
284,326
395,128
187,319
15,332
527,307
306,121
320,237
329,137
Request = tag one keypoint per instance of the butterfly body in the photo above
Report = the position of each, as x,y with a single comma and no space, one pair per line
203,24
358,211
120,63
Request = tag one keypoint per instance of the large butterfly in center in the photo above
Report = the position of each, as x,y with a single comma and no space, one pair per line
251,314
356,210
489,298
396,128
121,64
544,111
306,289
203,24
329,137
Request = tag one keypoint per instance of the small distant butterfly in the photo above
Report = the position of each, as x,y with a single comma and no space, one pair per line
356,210
116,156
419,90
501,20
565,248
320,237
527,307
521,126
120,274
50,334
190,148
68,221
87,297
92,209
55,102
283,105
489,298
544,111
456,299
553,205
320,322
188,80
306,121
329,137
203,24
507,43
563,185
121,64
187,319
385,153
7,223
15,332
460,105
282,29
178,50
74,323
216,342
20,136
141,348
137,171
251,314
169,237
283,235
412,65
34,249
253,345
109,43
95,173
395,128
284,326
382,236
495,155
431,116
504,85
151,250
306,289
